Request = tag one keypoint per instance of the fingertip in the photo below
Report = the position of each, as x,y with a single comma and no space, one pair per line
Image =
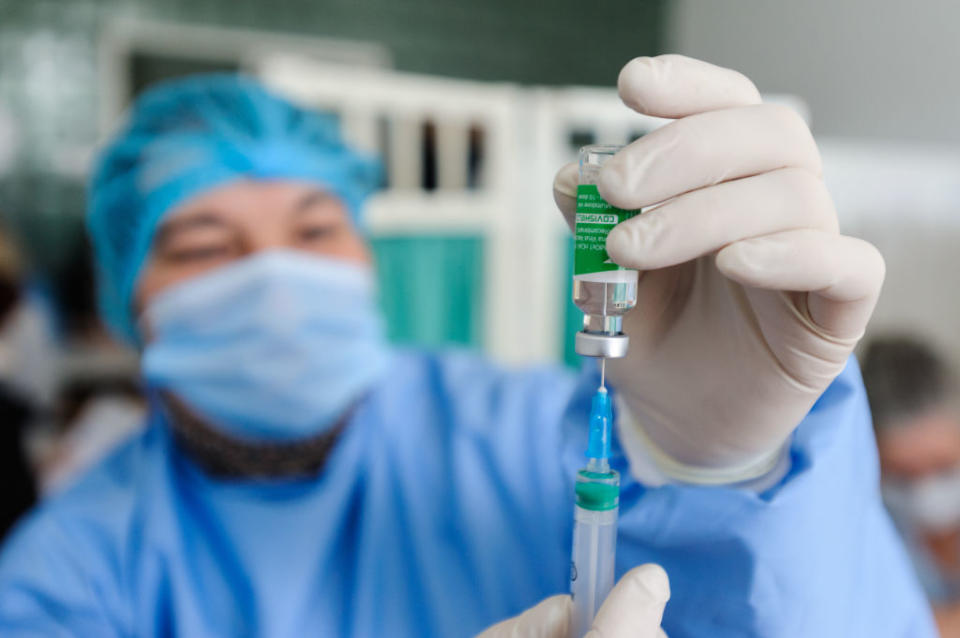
631,81
738,260
553,615
613,186
635,605
674,86
653,579
864,261
879,267
565,192
608,183
622,246
565,181
882,268
726,258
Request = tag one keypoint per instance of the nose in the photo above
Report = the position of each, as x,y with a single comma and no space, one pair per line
267,237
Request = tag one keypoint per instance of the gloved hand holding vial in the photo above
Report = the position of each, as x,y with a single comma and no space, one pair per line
747,290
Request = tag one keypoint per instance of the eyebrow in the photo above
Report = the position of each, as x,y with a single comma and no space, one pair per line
311,199
174,226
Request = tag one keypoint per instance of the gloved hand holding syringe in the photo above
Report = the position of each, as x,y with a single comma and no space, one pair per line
604,291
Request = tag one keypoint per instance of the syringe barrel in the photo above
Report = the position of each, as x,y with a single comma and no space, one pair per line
592,568
594,544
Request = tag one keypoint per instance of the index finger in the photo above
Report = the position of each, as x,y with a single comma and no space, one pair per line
676,86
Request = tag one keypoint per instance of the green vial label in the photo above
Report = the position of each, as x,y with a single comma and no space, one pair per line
594,221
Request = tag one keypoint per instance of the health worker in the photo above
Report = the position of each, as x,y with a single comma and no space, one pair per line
912,398
300,477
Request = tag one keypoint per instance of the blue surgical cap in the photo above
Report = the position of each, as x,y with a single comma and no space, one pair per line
187,136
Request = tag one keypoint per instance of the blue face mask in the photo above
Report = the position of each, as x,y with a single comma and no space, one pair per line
275,347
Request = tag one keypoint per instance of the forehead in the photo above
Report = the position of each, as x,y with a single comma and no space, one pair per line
241,199
929,442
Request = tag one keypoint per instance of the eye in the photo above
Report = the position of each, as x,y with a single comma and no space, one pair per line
197,246
197,253
316,231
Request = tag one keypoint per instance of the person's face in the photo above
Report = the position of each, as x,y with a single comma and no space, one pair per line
243,218
925,446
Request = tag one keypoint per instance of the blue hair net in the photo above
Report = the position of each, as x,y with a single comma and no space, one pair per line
187,136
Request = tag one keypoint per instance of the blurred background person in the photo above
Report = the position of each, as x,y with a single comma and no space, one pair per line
26,380
914,403
98,401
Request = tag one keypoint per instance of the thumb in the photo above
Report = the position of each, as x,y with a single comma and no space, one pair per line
565,192
549,619
634,608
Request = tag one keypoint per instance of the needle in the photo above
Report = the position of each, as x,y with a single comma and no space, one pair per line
603,371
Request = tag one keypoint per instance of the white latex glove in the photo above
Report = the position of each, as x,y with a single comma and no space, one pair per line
750,300
633,609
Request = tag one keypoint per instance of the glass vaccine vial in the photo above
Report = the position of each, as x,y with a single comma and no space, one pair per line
603,290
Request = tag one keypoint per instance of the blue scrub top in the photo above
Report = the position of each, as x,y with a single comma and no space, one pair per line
446,506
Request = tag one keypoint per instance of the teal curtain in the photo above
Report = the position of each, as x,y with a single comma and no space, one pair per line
431,288
573,317
432,291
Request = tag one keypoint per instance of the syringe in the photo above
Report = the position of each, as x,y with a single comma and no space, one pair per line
595,518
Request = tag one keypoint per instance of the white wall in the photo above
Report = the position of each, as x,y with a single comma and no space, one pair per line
867,68
906,201
882,78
